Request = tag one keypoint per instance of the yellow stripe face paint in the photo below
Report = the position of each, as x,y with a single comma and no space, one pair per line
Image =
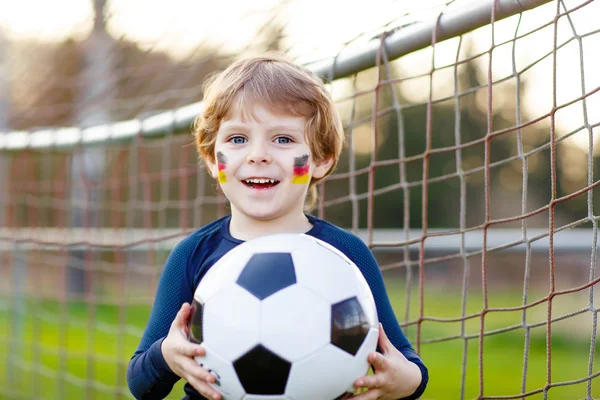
221,165
301,168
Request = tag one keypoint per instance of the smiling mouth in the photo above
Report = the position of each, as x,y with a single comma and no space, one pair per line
261,183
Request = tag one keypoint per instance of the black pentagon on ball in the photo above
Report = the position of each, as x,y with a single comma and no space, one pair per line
195,328
349,325
262,372
267,273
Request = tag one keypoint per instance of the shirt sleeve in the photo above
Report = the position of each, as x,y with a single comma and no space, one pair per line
361,255
148,375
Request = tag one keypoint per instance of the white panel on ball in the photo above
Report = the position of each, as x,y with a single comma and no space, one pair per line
224,272
324,273
231,322
369,344
330,371
318,376
295,322
227,382
333,249
281,243
365,298
368,306
266,397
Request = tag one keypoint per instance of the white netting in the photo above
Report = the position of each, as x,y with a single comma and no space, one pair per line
470,170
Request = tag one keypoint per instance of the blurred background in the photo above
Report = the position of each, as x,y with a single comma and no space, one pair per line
470,170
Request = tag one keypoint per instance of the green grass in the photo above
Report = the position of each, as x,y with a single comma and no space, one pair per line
70,339
503,353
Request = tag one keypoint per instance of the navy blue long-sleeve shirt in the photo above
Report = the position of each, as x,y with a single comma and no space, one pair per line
148,375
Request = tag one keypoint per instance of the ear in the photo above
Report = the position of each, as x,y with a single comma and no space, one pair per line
322,167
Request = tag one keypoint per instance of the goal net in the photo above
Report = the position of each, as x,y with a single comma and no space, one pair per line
470,170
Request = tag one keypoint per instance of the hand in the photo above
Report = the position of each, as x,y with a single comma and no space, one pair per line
395,377
179,354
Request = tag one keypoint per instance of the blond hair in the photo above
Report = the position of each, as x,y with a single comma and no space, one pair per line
274,81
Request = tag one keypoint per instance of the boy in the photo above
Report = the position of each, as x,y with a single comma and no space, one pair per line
269,132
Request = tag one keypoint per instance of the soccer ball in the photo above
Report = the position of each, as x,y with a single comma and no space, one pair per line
284,317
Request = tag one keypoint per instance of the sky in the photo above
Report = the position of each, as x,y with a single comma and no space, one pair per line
319,27
178,25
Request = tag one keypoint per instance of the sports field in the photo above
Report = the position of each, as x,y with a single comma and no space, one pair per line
99,347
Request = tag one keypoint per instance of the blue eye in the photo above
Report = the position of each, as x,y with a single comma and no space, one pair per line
238,140
283,140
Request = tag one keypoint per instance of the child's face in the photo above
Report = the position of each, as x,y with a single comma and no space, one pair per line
264,164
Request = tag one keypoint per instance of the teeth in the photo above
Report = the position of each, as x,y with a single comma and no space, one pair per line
260,180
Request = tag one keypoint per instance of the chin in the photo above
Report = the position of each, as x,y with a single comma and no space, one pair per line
264,212
262,215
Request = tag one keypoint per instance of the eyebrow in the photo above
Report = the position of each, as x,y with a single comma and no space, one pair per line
286,128
229,126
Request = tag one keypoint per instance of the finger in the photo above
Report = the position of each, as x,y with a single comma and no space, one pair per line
378,361
190,349
384,343
180,320
371,394
193,369
369,382
204,388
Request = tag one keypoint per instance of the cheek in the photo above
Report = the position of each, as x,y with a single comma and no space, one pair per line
222,161
301,170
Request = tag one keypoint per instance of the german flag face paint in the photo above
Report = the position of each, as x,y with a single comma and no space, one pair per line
301,168
221,165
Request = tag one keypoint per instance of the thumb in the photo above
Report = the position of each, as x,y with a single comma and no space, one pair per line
384,343
182,316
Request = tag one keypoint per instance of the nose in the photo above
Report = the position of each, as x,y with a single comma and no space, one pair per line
259,153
